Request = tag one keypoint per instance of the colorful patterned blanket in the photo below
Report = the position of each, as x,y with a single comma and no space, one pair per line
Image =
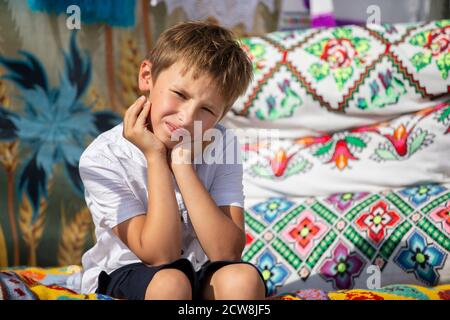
25,283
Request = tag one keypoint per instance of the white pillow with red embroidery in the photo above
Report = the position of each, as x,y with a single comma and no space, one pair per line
410,149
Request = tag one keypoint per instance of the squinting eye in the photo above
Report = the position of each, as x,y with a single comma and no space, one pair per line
180,95
209,111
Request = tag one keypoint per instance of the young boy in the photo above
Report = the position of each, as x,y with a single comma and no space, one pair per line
169,227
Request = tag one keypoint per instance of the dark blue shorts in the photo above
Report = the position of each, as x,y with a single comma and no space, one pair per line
131,281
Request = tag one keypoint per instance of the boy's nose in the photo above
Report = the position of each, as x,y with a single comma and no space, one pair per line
186,117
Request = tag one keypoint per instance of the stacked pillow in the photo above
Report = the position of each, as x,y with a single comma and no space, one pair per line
407,150
354,171
325,80
348,109
351,240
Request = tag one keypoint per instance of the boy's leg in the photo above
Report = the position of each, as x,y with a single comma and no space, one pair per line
133,281
169,284
225,280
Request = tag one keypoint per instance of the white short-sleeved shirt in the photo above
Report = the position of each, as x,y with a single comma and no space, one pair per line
114,174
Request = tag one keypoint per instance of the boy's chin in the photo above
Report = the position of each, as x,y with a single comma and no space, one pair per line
168,143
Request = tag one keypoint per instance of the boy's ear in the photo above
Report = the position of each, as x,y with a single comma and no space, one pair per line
145,76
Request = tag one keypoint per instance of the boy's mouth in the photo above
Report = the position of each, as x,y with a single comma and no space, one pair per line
172,127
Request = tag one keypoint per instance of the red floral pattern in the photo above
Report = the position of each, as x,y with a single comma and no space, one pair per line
377,220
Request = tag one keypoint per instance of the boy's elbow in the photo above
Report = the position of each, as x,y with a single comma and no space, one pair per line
152,256
152,253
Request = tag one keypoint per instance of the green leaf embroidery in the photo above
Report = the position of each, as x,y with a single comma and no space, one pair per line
355,141
358,62
419,39
289,103
294,168
399,84
362,103
319,71
443,64
445,114
324,149
361,45
317,48
261,171
421,60
342,32
342,75
385,154
443,23
260,115
417,142
256,49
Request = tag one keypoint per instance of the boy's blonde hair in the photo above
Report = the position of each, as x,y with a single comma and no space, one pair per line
207,48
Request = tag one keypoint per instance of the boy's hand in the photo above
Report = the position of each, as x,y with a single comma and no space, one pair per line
135,129
185,153
182,153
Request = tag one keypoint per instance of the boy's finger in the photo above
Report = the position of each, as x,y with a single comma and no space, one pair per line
148,119
142,118
134,110
127,115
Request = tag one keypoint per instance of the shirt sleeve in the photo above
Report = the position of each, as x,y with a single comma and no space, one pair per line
227,188
107,195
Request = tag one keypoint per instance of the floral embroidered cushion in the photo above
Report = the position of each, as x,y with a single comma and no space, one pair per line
332,79
407,150
351,240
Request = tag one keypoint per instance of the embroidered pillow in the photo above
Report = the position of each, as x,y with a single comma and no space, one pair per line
408,150
335,78
351,240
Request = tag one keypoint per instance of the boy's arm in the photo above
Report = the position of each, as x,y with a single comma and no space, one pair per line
156,236
220,230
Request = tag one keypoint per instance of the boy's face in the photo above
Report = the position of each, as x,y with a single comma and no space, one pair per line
178,100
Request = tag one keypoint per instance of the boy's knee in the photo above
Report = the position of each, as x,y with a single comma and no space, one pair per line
242,276
169,284
238,281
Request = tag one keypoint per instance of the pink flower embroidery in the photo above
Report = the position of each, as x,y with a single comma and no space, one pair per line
442,214
304,232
